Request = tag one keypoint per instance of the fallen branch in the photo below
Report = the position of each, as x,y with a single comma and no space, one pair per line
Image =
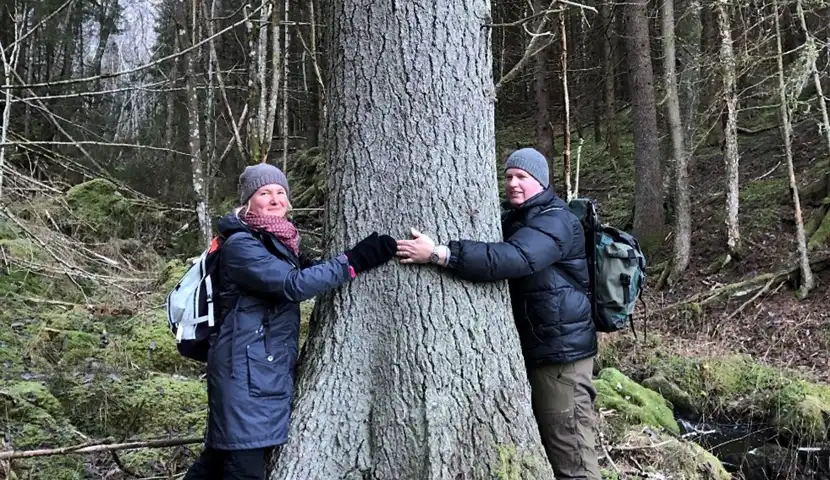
746,287
754,297
625,448
100,447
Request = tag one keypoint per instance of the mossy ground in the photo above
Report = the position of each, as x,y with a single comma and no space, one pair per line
736,387
632,403
664,456
84,361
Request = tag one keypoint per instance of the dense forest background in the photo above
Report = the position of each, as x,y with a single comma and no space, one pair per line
701,127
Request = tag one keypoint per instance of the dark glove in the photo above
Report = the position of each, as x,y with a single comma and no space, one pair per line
371,252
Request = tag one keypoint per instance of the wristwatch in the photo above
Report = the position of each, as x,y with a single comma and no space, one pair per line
433,257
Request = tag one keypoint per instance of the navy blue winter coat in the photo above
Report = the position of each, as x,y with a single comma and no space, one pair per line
543,241
250,367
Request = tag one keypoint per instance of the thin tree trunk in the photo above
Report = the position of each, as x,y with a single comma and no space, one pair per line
9,67
318,75
687,34
683,217
254,140
544,134
806,282
609,82
566,105
194,127
170,121
210,105
276,75
649,221
261,66
730,153
235,125
408,372
285,72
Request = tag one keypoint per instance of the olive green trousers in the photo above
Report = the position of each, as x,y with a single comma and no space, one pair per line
563,400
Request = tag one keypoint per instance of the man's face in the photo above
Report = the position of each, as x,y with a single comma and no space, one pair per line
520,186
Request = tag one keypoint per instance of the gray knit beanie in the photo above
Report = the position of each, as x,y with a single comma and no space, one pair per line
532,162
256,176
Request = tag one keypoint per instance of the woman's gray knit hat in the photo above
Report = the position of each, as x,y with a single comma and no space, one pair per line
256,176
532,162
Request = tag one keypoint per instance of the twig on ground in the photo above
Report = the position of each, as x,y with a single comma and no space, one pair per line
101,447
745,287
642,447
754,297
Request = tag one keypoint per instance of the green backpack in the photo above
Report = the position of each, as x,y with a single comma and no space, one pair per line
617,268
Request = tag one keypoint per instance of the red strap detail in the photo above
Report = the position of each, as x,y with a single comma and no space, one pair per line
214,244
352,273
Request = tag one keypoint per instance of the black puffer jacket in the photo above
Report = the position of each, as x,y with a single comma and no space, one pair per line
542,239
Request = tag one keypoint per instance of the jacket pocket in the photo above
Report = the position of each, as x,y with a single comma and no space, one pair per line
269,374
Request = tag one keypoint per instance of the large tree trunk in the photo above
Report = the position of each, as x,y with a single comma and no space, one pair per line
648,191
408,372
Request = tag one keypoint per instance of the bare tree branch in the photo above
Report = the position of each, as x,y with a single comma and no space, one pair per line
77,143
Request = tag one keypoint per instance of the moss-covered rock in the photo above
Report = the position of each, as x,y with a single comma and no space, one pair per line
671,457
32,419
671,392
36,394
150,345
632,403
98,211
737,385
112,404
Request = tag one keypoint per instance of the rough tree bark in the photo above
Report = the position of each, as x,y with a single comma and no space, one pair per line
649,219
408,372
730,149
806,282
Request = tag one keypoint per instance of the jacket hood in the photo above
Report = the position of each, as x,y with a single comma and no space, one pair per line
230,223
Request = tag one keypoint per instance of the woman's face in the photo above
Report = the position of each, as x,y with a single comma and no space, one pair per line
269,200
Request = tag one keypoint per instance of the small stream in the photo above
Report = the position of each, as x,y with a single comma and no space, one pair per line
756,451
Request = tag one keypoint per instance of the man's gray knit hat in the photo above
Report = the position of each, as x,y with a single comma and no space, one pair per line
256,176
532,162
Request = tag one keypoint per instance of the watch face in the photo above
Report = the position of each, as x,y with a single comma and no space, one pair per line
433,257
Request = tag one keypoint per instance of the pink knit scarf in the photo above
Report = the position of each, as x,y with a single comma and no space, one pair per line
284,230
